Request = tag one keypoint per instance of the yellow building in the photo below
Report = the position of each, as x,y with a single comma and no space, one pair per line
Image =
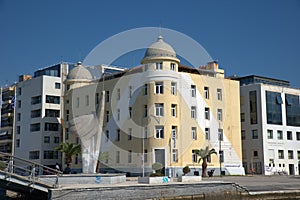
160,112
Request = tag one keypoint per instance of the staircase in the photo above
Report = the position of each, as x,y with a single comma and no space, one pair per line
28,178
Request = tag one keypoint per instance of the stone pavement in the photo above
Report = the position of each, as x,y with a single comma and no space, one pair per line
259,183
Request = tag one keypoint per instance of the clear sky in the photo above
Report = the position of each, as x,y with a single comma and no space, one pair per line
260,37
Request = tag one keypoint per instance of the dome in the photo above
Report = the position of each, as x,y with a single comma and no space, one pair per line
160,49
80,72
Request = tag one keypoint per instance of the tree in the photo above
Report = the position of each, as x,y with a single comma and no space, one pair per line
69,149
204,154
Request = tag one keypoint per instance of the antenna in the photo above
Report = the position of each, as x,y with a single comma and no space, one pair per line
160,27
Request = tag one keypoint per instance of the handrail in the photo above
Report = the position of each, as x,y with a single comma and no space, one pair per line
28,170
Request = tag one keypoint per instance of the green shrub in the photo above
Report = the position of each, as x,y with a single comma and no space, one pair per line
156,175
186,170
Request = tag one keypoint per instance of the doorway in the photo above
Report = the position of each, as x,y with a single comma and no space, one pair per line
160,158
291,169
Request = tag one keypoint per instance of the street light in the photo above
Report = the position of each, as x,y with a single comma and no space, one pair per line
220,150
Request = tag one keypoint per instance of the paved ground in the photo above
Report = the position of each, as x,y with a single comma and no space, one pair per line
258,183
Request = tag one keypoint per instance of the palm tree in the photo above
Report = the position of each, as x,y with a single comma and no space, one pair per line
69,149
204,154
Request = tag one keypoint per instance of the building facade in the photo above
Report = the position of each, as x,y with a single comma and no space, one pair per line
159,112
270,120
7,118
39,113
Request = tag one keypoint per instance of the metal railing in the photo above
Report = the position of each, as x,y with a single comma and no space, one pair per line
28,171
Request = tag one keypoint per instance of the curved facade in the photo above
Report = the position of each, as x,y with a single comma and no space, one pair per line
162,111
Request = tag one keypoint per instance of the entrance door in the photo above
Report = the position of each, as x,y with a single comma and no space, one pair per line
160,157
291,169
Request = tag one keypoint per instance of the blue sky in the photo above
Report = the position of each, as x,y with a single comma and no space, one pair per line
260,37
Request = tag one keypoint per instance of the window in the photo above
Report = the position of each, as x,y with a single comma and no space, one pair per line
18,130
46,139
51,126
52,99
255,134
97,98
107,116
56,140
145,111
289,135
173,88
130,112
145,155
173,110
35,127
117,156
159,66
118,114
107,96
34,155
280,154
175,155
273,107
19,117
87,100
243,133
17,143
57,85
159,88
159,132
36,113
255,154
279,135
130,91
130,134
77,102
77,140
206,92
253,107
159,109
219,94
292,110
50,155
193,90
219,114
19,104
172,66
107,135
118,94
298,155
290,154
67,115
298,135
194,156
206,113
221,154
220,134
270,134
145,89
129,156
208,159
242,117
173,132
207,133
194,133
67,134
193,112
36,100
19,91
53,113
118,138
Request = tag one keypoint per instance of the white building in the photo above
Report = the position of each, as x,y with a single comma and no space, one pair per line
38,115
270,119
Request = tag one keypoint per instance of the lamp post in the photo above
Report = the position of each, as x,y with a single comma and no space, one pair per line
220,149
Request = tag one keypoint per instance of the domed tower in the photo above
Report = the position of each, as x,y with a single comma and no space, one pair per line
78,76
160,56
